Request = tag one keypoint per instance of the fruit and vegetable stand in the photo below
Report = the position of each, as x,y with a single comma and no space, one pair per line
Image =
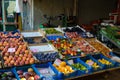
111,34
53,54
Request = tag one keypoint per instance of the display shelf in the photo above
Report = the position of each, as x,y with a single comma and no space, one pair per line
110,40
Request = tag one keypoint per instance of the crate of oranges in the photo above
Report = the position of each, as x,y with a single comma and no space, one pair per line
64,70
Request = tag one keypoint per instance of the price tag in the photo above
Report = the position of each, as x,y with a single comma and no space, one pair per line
44,71
11,50
35,50
90,63
70,62
57,62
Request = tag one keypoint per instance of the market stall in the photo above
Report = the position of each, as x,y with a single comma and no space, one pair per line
54,54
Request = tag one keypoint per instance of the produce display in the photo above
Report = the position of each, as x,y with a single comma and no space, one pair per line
9,34
112,34
20,56
52,31
79,31
92,63
63,68
64,47
98,46
72,34
79,66
84,47
104,61
15,52
73,29
28,75
7,76
46,57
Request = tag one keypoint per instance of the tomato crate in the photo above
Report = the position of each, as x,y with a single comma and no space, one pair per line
96,66
107,62
25,72
83,69
46,70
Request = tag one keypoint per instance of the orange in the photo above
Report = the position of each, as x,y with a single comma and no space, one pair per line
55,65
63,63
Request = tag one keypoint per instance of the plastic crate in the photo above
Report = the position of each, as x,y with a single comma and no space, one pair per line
25,68
100,56
46,65
10,70
62,76
81,72
54,37
89,58
116,55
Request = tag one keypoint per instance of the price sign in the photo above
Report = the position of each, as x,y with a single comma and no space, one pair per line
11,50
57,62
90,63
35,50
70,62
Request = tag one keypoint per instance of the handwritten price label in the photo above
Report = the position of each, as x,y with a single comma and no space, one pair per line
90,63
11,50
57,62
70,62
35,50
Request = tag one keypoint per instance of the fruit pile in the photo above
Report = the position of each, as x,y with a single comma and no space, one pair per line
84,47
99,47
73,29
9,34
104,61
52,31
64,47
15,52
92,63
46,57
72,34
79,66
7,76
63,68
28,75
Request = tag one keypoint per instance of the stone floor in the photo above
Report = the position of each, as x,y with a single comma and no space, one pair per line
109,75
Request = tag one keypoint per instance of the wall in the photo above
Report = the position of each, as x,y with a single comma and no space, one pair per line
51,7
95,9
